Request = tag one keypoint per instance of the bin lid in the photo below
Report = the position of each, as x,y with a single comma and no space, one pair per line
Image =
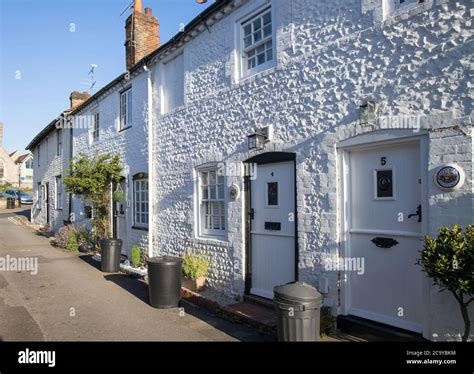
164,260
297,292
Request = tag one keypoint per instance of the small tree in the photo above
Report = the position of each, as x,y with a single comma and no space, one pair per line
449,261
92,178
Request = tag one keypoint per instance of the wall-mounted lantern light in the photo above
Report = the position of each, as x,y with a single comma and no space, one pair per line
367,113
260,137
257,140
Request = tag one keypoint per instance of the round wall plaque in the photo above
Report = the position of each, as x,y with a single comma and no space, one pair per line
449,177
234,192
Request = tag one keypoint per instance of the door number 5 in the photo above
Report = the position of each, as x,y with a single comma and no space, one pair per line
383,160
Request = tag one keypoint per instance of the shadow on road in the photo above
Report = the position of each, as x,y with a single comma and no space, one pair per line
134,286
89,260
24,213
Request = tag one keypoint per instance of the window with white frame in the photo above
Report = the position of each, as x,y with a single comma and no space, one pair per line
126,109
173,84
140,189
38,195
59,192
257,42
29,164
59,142
2,169
211,217
393,7
95,126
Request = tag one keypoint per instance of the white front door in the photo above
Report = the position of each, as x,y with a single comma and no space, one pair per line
384,219
272,228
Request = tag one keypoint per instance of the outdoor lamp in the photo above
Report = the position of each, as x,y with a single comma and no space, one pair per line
256,140
367,112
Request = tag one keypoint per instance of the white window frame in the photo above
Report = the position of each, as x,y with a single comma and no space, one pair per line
243,51
59,142
95,126
126,109
2,168
137,203
391,8
39,195
205,220
58,192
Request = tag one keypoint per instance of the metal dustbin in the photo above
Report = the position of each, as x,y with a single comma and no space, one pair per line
110,251
11,203
298,307
164,281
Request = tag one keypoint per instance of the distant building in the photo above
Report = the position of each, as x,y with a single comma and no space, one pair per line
15,168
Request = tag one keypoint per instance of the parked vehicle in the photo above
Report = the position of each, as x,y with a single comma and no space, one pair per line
25,198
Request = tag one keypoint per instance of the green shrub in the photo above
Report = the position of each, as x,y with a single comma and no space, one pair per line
195,266
449,261
135,256
71,237
328,322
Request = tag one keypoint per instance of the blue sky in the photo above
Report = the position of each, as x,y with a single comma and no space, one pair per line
38,47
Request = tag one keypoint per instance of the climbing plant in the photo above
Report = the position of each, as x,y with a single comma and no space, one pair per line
92,178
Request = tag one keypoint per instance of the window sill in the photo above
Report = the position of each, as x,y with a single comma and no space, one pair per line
125,128
250,77
140,228
213,240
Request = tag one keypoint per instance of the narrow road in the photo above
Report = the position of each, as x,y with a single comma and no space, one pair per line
70,299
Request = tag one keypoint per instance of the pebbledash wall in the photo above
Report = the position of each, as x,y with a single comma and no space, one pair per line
330,57
46,167
131,144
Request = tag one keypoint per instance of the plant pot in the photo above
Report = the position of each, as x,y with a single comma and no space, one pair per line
110,251
195,285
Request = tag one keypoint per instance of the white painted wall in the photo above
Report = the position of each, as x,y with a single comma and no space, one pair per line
330,57
131,144
50,166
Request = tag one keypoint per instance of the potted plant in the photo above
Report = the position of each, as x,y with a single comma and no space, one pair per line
135,256
449,261
195,268
92,178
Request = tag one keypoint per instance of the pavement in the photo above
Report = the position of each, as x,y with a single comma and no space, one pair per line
70,299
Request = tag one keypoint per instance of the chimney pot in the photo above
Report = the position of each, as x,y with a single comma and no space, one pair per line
137,7
148,11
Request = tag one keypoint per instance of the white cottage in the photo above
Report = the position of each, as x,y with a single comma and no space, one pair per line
115,120
317,141
52,153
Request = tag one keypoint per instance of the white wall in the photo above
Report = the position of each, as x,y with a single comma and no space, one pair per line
131,144
331,56
51,165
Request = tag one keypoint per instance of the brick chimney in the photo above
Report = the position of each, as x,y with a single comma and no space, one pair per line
142,34
78,98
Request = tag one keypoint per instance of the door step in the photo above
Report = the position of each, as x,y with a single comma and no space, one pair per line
375,331
260,301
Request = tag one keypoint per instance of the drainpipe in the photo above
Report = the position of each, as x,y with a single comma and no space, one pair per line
151,205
